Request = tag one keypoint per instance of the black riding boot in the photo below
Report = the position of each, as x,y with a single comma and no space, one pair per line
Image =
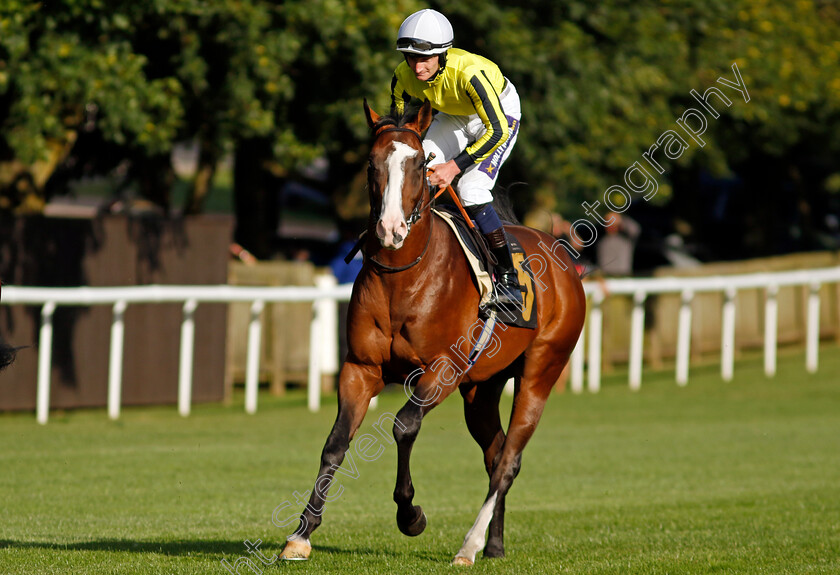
508,290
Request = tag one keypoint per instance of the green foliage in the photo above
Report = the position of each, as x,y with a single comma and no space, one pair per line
60,68
599,81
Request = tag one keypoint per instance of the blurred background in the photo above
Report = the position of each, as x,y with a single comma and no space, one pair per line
164,141
253,109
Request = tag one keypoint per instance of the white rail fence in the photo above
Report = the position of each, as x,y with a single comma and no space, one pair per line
324,329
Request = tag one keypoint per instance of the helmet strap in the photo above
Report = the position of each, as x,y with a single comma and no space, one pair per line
441,63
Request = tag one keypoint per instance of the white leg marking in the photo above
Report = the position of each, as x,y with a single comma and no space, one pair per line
297,538
474,541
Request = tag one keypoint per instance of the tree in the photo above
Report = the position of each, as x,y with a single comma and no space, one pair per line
88,86
65,71
600,82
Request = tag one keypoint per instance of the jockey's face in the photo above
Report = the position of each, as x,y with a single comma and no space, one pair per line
424,67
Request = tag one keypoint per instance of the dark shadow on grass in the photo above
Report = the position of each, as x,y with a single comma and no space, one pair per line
416,554
367,551
214,549
208,548
175,548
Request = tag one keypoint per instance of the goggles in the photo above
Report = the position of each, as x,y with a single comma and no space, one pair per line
418,44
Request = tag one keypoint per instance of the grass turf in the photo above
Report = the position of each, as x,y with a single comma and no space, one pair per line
711,478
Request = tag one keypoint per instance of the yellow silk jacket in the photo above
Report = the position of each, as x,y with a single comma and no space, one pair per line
468,84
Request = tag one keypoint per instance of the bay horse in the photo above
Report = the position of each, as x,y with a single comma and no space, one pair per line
412,300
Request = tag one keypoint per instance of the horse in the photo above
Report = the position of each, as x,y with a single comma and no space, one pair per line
413,298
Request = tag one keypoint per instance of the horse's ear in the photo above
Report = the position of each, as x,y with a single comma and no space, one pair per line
424,117
372,117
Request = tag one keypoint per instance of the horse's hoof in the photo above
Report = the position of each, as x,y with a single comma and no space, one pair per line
494,552
462,561
296,551
416,527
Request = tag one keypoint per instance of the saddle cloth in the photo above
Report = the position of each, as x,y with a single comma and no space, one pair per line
511,315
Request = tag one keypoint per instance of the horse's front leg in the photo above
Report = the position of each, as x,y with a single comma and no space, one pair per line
427,394
357,385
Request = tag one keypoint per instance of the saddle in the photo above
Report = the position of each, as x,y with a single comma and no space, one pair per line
481,263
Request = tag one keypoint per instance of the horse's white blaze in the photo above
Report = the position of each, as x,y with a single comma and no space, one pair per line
392,219
474,541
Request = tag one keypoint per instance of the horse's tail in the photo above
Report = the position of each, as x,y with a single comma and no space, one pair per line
586,271
503,205
7,354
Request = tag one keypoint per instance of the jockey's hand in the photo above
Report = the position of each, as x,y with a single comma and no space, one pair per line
443,174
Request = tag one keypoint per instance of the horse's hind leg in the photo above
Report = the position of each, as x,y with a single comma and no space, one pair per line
358,384
481,412
528,405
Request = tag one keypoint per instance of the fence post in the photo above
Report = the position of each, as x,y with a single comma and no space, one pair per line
813,338
115,361
637,337
578,359
596,324
727,345
328,310
313,395
252,362
186,358
45,362
684,337
771,320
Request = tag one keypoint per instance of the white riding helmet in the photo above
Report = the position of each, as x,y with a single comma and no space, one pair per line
426,32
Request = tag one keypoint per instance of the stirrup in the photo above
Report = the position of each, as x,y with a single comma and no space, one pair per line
507,290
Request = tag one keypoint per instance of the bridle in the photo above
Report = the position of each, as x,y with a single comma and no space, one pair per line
415,214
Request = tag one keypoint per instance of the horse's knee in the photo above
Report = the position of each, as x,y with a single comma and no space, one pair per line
333,455
407,423
335,447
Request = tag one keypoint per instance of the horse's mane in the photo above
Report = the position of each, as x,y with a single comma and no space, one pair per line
396,119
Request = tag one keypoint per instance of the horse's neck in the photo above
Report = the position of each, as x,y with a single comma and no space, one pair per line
427,279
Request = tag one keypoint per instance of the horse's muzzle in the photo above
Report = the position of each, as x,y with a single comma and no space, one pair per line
391,234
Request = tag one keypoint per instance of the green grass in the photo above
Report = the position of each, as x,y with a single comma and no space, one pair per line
711,478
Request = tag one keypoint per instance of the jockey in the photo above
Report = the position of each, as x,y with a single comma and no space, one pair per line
474,129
